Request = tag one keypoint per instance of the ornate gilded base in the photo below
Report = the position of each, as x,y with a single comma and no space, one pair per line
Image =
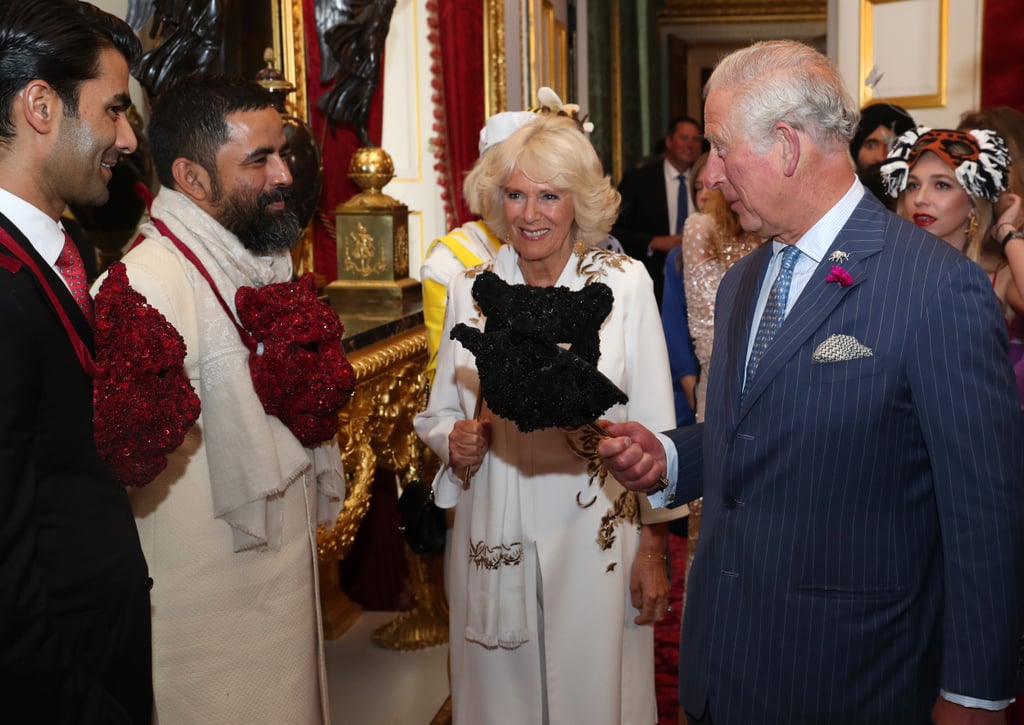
374,298
339,612
426,624
375,428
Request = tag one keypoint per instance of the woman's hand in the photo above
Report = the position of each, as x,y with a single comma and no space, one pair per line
467,444
648,581
1012,218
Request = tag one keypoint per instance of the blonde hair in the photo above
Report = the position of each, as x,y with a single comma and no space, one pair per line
550,150
726,222
980,241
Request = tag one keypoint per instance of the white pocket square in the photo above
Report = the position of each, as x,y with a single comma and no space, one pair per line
840,348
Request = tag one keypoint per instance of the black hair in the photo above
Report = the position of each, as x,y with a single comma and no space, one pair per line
57,41
678,120
189,119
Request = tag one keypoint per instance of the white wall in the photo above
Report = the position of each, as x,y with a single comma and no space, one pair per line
963,87
408,127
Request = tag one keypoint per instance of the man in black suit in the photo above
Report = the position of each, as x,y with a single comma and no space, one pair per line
655,201
74,587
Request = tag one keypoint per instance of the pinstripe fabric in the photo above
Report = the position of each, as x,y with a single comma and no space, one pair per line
862,531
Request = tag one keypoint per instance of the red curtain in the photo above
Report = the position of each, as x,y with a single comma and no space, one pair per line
457,68
337,148
1002,72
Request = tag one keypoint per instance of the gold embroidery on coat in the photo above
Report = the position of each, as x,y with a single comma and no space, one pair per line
593,263
583,442
493,557
622,511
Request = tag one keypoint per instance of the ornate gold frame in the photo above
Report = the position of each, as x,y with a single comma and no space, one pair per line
290,48
925,100
495,84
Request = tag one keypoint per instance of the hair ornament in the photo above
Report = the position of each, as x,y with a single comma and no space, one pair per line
502,125
979,159
550,102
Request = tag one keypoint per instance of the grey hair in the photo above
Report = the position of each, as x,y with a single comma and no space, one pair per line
784,80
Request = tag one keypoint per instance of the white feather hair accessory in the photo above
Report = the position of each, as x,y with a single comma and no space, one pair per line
502,125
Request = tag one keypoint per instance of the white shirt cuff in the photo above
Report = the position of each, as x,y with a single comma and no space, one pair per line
661,499
964,700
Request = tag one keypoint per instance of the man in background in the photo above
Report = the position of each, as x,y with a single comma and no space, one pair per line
655,201
880,125
74,588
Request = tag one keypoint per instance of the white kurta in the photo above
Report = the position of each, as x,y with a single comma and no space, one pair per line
585,660
236,634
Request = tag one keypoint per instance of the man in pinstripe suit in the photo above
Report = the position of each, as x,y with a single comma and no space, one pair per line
861,553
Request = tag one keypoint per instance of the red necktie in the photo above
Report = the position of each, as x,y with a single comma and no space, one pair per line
72,269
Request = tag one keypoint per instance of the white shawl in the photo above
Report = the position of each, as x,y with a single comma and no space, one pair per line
253,457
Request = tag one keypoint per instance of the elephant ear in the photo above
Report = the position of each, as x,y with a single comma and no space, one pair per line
526,376
491,293
143,401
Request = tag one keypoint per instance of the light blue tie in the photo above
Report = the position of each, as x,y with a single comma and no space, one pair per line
681,204
773,315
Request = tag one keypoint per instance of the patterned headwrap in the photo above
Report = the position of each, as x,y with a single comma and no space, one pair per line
887,115
979,159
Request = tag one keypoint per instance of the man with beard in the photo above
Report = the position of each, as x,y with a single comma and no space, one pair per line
229,528
74,590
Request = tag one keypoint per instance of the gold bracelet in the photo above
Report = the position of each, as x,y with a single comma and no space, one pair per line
652,557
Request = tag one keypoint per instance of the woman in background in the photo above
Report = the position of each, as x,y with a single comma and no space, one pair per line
1004,243
712,242
950,182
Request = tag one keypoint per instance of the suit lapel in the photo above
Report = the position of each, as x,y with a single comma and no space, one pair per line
740,321
71,308
860,239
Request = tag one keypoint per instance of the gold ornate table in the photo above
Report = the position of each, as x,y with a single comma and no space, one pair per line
375,429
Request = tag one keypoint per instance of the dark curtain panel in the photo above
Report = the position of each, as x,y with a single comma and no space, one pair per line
1002,71
457,69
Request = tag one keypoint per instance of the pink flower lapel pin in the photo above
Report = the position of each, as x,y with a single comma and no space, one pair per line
839,273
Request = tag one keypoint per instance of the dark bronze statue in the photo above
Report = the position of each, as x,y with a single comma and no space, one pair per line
190,37
356,38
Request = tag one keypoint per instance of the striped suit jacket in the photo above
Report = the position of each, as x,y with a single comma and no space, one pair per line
862,536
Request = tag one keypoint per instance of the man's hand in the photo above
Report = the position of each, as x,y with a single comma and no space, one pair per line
633,455
949,713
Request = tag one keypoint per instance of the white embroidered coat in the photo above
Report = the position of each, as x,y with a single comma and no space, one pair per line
585,660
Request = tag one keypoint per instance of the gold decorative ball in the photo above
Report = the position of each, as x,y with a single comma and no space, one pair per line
371,168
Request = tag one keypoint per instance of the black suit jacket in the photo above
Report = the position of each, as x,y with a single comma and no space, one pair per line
74,587
644,214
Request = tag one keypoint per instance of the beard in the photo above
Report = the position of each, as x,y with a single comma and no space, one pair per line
260,230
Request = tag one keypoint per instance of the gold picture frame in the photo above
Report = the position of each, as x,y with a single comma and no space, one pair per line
495,83
290,49
928,14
